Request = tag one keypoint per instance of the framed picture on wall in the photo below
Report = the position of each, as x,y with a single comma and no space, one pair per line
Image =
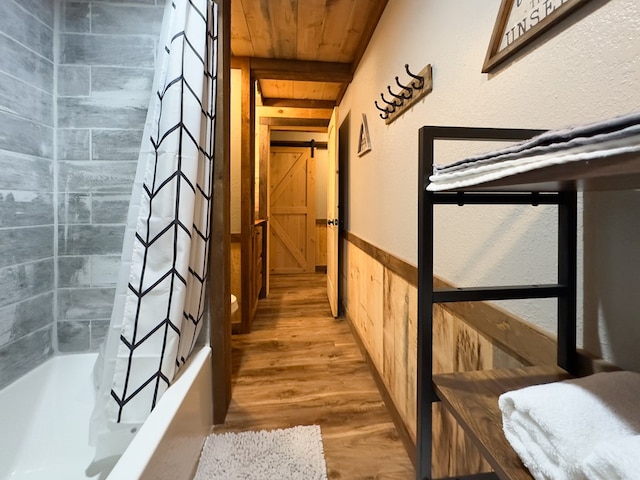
364,141
519,22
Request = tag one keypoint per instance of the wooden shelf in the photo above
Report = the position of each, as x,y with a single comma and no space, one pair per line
472,398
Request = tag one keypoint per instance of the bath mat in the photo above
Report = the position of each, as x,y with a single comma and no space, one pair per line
288,454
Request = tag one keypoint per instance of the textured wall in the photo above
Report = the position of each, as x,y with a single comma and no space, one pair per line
105,74
26,187
581,71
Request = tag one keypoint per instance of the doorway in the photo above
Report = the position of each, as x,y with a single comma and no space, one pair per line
297,163
344,132
292,175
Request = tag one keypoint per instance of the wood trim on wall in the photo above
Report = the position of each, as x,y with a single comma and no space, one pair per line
263,171
264,136
219,258
522,340
246,220
401,268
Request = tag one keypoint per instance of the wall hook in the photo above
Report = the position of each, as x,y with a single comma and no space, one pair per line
386,112
400,98
392,105
420,80
417,87
407,90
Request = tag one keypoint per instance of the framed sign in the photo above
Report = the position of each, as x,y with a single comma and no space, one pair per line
364,142
519,22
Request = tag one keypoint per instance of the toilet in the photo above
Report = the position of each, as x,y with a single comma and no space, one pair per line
234,304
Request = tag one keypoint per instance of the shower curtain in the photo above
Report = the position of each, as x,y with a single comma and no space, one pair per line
159,307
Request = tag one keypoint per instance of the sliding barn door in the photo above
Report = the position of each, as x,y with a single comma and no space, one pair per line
292,210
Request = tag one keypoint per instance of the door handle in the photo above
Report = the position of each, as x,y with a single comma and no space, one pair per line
333,221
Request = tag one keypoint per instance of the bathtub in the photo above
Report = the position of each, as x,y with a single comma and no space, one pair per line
45,425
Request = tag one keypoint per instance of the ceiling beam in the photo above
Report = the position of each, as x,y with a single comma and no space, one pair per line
299,128
294,122
297,103
288,112
300,70
287,118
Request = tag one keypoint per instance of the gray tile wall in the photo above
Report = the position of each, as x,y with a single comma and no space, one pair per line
105,74
71,121
27,287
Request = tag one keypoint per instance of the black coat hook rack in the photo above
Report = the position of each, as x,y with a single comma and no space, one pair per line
418,86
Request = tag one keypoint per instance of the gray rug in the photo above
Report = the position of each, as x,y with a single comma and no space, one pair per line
289,454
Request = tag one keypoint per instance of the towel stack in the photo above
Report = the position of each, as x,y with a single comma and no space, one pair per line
582,429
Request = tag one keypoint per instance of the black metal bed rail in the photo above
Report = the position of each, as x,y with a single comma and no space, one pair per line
488,198
564,290
509,292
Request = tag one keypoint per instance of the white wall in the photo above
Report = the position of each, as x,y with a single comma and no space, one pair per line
585,69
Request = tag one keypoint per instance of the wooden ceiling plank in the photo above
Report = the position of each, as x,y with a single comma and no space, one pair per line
331,90
241,45
327,37
310,23
355,25
277,88
341,93
276,69
374,13
308,90
336,29
257,16
283,19
316,90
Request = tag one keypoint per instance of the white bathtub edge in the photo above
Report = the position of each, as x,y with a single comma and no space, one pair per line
168,445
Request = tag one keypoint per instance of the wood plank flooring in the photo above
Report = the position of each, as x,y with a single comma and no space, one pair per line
300,366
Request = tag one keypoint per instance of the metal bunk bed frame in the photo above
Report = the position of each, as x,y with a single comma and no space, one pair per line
564,290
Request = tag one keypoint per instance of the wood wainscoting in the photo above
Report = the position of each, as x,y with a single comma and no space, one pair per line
257,284
379,295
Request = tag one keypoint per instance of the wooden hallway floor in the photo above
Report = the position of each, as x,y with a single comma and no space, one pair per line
300,366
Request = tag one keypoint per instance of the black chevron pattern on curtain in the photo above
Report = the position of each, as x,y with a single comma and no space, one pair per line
165,301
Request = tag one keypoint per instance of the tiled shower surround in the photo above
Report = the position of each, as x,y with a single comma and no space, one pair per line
75,81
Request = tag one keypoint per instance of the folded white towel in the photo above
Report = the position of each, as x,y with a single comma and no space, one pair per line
554,427
618,459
